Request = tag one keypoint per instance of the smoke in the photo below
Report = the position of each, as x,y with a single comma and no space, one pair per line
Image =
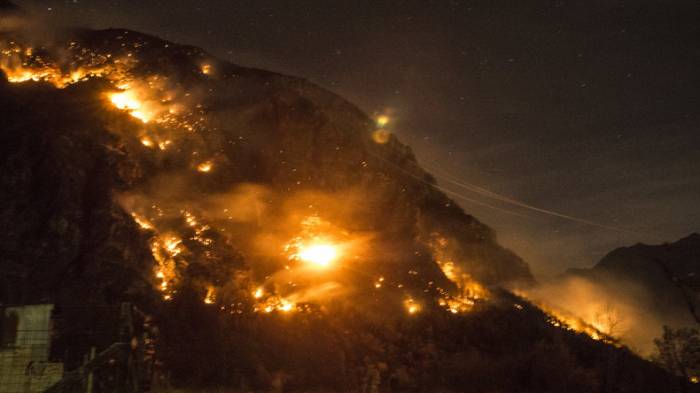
11,17
259,223
11,23
615,307
30,25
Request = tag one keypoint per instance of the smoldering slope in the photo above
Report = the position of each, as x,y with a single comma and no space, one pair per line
617,308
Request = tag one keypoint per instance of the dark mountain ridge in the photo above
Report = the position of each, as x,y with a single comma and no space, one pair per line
668,272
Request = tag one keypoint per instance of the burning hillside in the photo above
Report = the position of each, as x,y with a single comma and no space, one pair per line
263,221
179,120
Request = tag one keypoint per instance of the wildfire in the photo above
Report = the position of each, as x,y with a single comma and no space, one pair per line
205,166
314,246
317,248
22,64
149,99
378,284
276,303
142,222
164,250
172,245
318,255
258,293
160,103
210,296
18,70
411,306
317,252
285,305
153,99
147,142
167,248
128,100
565,320
569,322
468,290
190,219
456,305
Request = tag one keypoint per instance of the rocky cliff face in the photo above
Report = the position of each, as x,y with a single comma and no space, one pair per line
64,237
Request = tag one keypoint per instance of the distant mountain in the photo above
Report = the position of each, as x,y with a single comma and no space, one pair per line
668,273
633,291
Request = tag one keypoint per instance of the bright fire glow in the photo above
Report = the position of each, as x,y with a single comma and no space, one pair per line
411,306
378,284
276,303
211,296
146,142
142,222
164,145
315,246
127,100
566,320
318,255
382,121
173,246
468,290
205,166
285,305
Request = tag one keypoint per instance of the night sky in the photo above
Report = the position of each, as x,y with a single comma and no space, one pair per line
590,109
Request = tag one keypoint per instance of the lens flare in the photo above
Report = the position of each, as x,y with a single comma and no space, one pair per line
381,136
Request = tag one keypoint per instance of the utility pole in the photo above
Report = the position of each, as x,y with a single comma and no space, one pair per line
91,375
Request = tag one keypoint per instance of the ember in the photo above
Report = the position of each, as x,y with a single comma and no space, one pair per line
411,306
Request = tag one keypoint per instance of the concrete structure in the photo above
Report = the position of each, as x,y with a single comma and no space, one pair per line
25,344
